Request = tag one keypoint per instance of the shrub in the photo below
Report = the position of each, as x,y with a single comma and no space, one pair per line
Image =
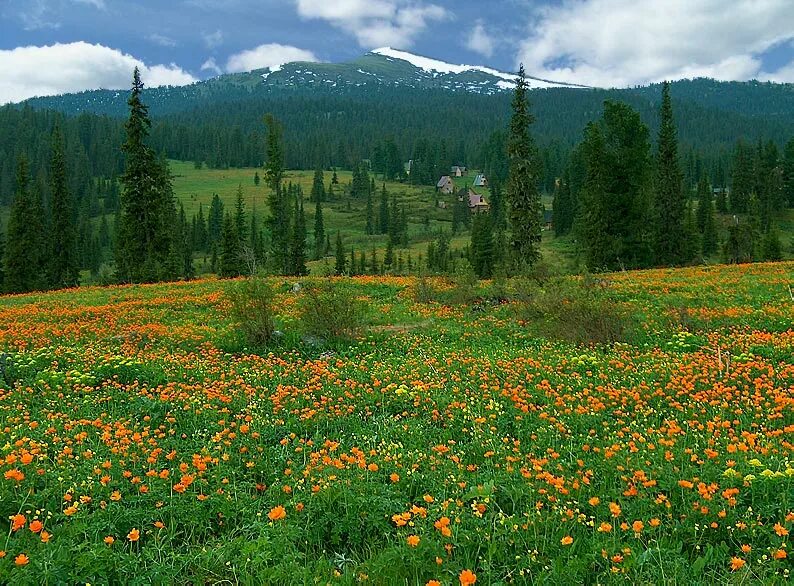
329,310
583,311
423,291
464,285
251,307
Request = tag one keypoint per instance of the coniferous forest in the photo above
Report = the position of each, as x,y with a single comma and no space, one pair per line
634,179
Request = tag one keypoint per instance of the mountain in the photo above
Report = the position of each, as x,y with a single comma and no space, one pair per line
378,70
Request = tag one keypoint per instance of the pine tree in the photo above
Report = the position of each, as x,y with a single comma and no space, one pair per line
370,226
705,218
240,222
482,246
148,211
319,231
334,178
64,270
256,178
771,249
298,242
670,202
279,221
788,173
25,250
188,271
743,180
522,189
563,206
214,220
383,212
388,259
200,232
230,249
318,186
340,256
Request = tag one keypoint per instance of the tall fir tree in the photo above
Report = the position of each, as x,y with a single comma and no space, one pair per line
670,202
298,241
743,178
279,221
240,222
482,251
788,173
229,261
148,211
341,261
563,209
319,231
370,222
383,212
25,250
521,190
64,266
318,186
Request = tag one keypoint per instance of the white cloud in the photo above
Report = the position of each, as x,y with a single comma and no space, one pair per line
211,65
375,23
480,41
162,40
61,68
213,40
271,55
627,42
783,75
99,4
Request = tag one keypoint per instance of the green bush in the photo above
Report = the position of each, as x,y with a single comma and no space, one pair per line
583,311
331,311
251,307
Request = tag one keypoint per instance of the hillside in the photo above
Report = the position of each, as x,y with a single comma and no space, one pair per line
444,439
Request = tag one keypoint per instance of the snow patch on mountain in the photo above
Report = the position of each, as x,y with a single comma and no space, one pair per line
433,66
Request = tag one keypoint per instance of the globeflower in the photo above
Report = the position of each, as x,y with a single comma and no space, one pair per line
277,513
21,560
134,535
467,578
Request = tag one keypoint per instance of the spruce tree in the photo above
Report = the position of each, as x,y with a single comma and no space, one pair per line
743,179
298,242
482,246
383,212
522,190
563,206
319,231
229,249
318,186
670,201
788,173
64,269
370,225
705,218
148,211
341,261
25,250
240,222
279,221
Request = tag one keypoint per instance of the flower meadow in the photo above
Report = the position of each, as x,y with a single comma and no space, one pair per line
142,442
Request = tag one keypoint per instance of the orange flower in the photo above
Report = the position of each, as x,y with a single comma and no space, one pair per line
746,548
637,526
780,554
685,484
18,522
443,525
36,526
567,540
109,540
780,530
737,563
467,577
45,536
115,495
654,522
21,560
594,501
394,477
614,508
433,583
2,554
604,527
159,524
277,513
372,467
134,535
413,540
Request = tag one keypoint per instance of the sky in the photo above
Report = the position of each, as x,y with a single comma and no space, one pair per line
55,46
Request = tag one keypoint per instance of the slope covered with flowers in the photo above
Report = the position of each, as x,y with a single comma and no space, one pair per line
141,441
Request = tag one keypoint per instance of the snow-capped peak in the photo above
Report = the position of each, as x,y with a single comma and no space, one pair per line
434,65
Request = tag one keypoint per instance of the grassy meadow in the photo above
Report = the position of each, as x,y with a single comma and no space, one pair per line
144,441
